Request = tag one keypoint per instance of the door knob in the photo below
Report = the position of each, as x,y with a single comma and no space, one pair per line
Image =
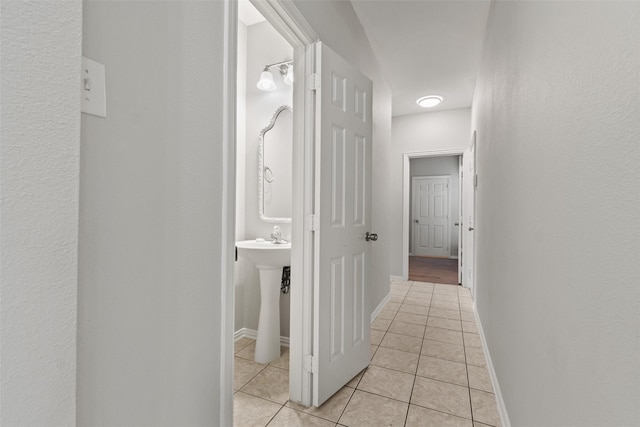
371,236
416,221
470,228
456,224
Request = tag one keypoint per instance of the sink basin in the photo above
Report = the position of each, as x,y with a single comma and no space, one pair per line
269,258
265,253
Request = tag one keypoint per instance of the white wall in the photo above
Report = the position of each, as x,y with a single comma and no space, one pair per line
39,163
337,25
152,209
444,166
264,46
558,210
440,130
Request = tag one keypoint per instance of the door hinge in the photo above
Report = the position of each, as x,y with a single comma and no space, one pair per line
313,222
313,82
311,364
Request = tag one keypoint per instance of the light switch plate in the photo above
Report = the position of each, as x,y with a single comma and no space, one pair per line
94,97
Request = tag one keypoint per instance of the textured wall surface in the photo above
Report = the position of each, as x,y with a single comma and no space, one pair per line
39,162
441,130
151,217
556,111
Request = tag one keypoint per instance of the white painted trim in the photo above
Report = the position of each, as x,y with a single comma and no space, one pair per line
228,207
397,278
253,334
453,257
406,214
272,123
380,306
245,333
502,409
287,19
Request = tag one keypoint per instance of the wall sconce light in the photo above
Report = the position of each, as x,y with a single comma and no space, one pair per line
266,82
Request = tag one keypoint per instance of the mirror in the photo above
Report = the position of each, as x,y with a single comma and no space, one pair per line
275,167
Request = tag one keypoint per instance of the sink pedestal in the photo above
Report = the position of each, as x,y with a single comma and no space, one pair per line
268,340
269,258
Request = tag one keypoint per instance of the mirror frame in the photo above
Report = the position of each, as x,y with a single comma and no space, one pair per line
272,123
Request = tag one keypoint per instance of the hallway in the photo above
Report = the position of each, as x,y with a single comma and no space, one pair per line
427,369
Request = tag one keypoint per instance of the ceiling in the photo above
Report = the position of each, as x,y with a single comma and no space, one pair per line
425,47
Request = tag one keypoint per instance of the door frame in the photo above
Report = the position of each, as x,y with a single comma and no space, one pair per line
284,16
411,224
406,195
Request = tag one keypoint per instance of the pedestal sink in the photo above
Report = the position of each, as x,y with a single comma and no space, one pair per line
269,258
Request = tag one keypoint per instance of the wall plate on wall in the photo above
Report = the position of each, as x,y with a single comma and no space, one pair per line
94,97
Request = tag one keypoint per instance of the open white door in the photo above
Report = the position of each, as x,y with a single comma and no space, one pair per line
468,215
342,253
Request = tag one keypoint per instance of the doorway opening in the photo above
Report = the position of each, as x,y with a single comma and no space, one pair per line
467,181
276,19
312,353
434,224
264,207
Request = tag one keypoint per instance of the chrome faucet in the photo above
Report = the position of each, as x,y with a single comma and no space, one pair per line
277,236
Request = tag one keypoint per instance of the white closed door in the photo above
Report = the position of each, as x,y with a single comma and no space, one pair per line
431,216
342,254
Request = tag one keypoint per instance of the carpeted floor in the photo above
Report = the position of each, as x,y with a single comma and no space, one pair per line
434,270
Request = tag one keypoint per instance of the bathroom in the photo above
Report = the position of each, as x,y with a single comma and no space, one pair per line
260,45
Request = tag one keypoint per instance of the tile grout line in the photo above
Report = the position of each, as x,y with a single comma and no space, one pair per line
406,419
466,366
385,333
370,361
274,415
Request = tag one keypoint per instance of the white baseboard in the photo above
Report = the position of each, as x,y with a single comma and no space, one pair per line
380,306
396,278
502,409
253,334
453,256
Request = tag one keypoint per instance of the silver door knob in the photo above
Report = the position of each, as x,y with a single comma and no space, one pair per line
371,236
416,221
456,224
470,228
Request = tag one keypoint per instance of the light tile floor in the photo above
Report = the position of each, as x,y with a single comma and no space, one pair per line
427,369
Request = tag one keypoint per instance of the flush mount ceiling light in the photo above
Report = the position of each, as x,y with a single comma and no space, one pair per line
266,82
429,101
